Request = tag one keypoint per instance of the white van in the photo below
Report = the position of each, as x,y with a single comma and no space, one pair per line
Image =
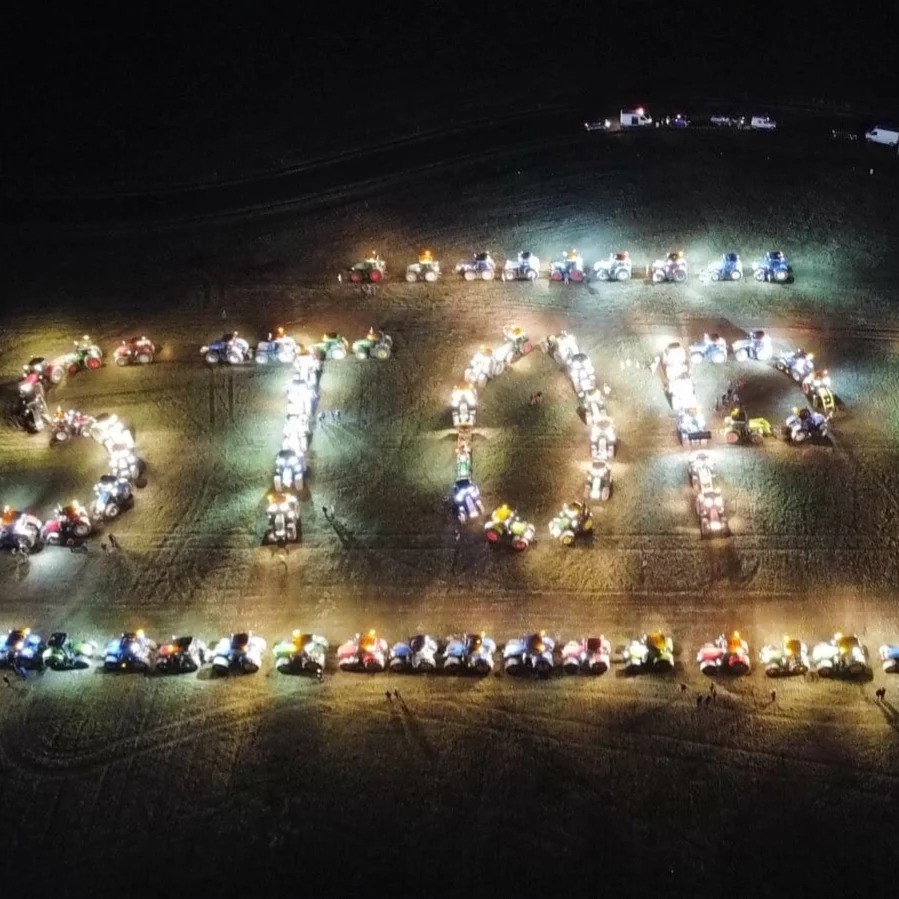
762,123
883,135
635,118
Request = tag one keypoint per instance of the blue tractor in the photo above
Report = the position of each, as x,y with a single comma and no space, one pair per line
773,267
133,651
728,268
230,348
22,649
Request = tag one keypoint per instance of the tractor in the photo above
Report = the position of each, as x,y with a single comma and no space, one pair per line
230,348
371,270
525,268
481,265
729,654
672,268
375,345
728,268
135,351
331,346
773,267
426,269
569,268
575,520
505,526
616,268
756,346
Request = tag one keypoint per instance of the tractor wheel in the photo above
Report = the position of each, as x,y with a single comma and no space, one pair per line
567,538
577,275
235,357
507,276
51,540
703,528
757,438
781,277
856,669
92,362
212,358
716,276
741,355
571,667
519,544
708,668
796,376
111,511
144,358
482,668
74,368
375,275
622,275
81,529
736,276
738,669
411,277
772,671
606,493
825,671
731,437
662,666
59,437
680,277
121,360
488,274
361,354
806,388
337,353
381,352
469,274
587,525
658,277
355,277
603,275
492,535
56,374
759,275
532,274
527,348
544,669
430,277
696,358
555,276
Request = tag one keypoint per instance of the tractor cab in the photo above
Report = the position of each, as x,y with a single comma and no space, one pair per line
239,642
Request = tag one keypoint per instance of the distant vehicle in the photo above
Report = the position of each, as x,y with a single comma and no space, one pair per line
843,134
720,120
762,123
678,121
881,134
635,118
598,125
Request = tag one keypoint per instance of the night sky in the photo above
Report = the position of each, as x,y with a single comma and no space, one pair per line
86,90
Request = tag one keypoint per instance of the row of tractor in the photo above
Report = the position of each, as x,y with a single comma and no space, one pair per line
536,654
569,268
73,522
708,499
564,350
505,525
292,460
40,375
280,347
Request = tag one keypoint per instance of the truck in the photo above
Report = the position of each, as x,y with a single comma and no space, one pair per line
883,134
635,118
762,123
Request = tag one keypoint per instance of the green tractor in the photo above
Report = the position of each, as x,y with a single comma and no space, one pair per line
86,355
375,345
575,520
505,526
65,654
331,346
738,428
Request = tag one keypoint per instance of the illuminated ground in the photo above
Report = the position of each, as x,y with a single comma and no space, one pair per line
621,779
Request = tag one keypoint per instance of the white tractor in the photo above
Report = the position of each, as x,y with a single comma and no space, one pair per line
582,373
484,365
464,402
426,269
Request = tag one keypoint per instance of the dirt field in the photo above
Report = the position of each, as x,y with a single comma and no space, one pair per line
268,780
